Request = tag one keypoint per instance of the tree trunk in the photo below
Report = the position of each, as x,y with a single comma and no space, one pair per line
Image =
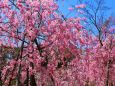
107,73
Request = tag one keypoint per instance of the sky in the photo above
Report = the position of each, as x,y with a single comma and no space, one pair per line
63,7
111,4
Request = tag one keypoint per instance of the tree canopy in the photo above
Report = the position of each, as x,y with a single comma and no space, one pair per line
53,50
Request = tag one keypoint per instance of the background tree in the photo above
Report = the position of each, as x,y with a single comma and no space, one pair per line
97,18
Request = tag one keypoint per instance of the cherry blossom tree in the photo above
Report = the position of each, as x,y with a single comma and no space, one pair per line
53,50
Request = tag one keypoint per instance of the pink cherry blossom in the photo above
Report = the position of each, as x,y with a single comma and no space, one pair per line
80,6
